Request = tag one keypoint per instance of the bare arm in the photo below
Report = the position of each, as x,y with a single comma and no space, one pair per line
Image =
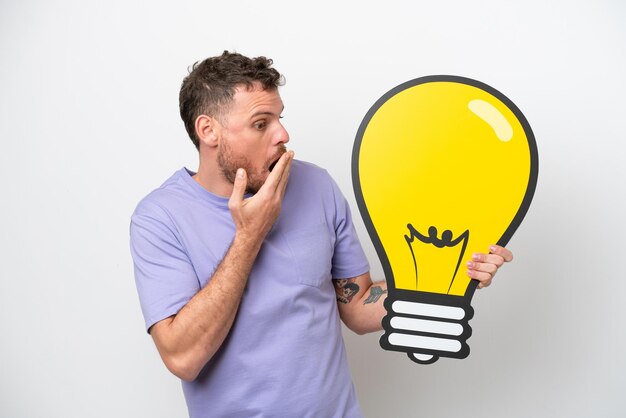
188,340
360,301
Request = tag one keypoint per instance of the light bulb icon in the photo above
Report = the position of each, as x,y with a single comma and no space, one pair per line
442,167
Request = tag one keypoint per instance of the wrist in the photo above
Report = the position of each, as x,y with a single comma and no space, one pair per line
247,241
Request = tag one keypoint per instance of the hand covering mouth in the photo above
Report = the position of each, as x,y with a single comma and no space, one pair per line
275,159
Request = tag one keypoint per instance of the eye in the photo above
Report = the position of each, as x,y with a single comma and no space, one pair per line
260,125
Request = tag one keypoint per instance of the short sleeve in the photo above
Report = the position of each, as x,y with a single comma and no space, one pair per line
349,260
164,276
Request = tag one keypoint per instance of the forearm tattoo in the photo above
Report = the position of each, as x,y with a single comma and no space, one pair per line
346,289
375,293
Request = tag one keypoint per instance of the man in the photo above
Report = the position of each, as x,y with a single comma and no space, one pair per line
245,268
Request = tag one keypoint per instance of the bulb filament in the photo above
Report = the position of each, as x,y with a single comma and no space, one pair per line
446,240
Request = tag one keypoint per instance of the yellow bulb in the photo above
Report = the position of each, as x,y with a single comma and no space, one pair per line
443,167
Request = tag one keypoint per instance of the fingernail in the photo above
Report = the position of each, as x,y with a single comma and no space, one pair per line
469,273
493,248
470,264
240,173
475,257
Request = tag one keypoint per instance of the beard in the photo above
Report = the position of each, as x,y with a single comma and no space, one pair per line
229,163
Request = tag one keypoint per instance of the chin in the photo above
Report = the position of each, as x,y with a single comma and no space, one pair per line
255,183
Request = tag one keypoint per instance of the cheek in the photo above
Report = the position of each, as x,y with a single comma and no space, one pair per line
254,149
261,157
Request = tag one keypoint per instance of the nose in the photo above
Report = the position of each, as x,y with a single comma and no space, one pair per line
281,136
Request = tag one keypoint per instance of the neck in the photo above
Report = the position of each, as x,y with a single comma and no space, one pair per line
210,177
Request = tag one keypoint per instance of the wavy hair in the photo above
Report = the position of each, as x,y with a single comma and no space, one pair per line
210,86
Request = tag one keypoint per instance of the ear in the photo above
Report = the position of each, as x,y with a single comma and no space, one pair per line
207,129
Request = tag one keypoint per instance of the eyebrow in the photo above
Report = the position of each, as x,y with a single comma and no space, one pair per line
266,113
260,114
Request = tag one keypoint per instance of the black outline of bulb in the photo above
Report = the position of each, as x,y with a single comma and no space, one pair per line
408,310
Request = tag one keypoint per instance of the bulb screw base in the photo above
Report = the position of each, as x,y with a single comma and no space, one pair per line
427,325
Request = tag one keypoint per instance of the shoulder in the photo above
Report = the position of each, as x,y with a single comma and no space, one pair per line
306,177
300,166
312,186
164,198
306,173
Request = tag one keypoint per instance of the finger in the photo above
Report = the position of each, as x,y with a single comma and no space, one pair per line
273,180
482,285
483,267
483,278
502,252
488,258
282,185
239,189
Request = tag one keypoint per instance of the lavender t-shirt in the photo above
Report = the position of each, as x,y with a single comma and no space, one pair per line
284,356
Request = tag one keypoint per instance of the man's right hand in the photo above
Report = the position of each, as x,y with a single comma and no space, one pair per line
187,340
254,216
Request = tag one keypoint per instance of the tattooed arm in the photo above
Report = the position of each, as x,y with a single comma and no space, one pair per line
360,303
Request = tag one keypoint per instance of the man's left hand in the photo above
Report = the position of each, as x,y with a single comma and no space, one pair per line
483,267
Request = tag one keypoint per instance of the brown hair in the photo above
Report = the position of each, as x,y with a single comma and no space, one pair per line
210,86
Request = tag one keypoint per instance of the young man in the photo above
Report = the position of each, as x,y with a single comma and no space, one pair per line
245,267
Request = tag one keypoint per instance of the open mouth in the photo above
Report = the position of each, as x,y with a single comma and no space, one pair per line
275,160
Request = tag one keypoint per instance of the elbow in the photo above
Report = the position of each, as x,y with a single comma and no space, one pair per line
187,375
354,325
358,329
360,325
182,367
183,359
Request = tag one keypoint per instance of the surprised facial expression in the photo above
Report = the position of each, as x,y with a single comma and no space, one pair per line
252,136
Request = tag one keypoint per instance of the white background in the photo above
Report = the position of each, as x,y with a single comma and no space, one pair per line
89,124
